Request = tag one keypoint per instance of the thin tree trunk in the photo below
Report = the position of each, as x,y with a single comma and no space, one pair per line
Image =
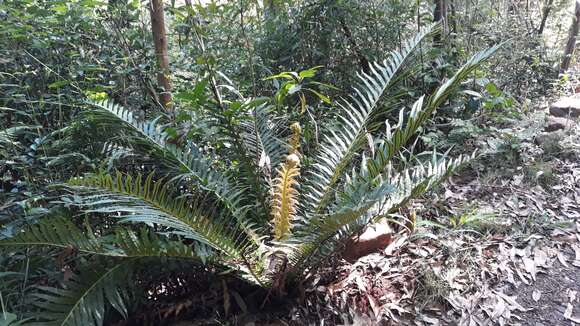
269,8
363,61
440,15
571,45
453,17
160,41
545,14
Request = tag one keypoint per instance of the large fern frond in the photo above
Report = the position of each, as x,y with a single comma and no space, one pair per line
407,185
353,206
343,140
143,200
398,136
82,300
62,233
233,130
192,164
262,138
415,181
403,186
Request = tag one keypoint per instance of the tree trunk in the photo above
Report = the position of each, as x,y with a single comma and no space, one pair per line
545,14
269,8
440,15
363,61
453,17
571,45
160,41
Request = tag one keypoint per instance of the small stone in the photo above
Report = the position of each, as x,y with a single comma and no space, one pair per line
374,238
566,107
548,139
556,123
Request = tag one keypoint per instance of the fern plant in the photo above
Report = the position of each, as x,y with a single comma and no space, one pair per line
269,215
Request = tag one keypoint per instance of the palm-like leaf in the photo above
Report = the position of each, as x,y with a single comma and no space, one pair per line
344,139
190,162
372,170
399,135
385,200
261,136
142,200
82,301
84,297
62,233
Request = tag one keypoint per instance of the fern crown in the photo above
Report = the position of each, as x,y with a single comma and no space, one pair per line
273,197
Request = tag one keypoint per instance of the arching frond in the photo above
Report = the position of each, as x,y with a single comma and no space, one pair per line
83,299
261,136
191,163
233,130
398,136
342,140
346,221
415,181
143,200
55,233
354,205
62,233
8,136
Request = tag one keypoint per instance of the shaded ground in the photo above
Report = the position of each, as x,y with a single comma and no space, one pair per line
554,299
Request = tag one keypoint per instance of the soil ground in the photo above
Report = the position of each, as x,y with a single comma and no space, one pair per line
550,297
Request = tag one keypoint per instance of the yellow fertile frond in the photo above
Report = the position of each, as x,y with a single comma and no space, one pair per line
295,138
284,197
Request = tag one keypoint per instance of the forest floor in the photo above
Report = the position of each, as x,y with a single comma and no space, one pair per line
499,244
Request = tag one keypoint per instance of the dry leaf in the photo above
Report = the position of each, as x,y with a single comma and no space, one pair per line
522,277
562,259
360,284
576,262
530,267
536,294
540,257
428,320
498,309
569,310
571,295
511,301
374,306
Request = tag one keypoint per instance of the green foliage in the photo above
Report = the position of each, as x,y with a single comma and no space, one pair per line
297,83
96,197
211,208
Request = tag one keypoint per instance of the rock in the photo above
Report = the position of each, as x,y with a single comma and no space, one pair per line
556,123
374,238
566,107
547,138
